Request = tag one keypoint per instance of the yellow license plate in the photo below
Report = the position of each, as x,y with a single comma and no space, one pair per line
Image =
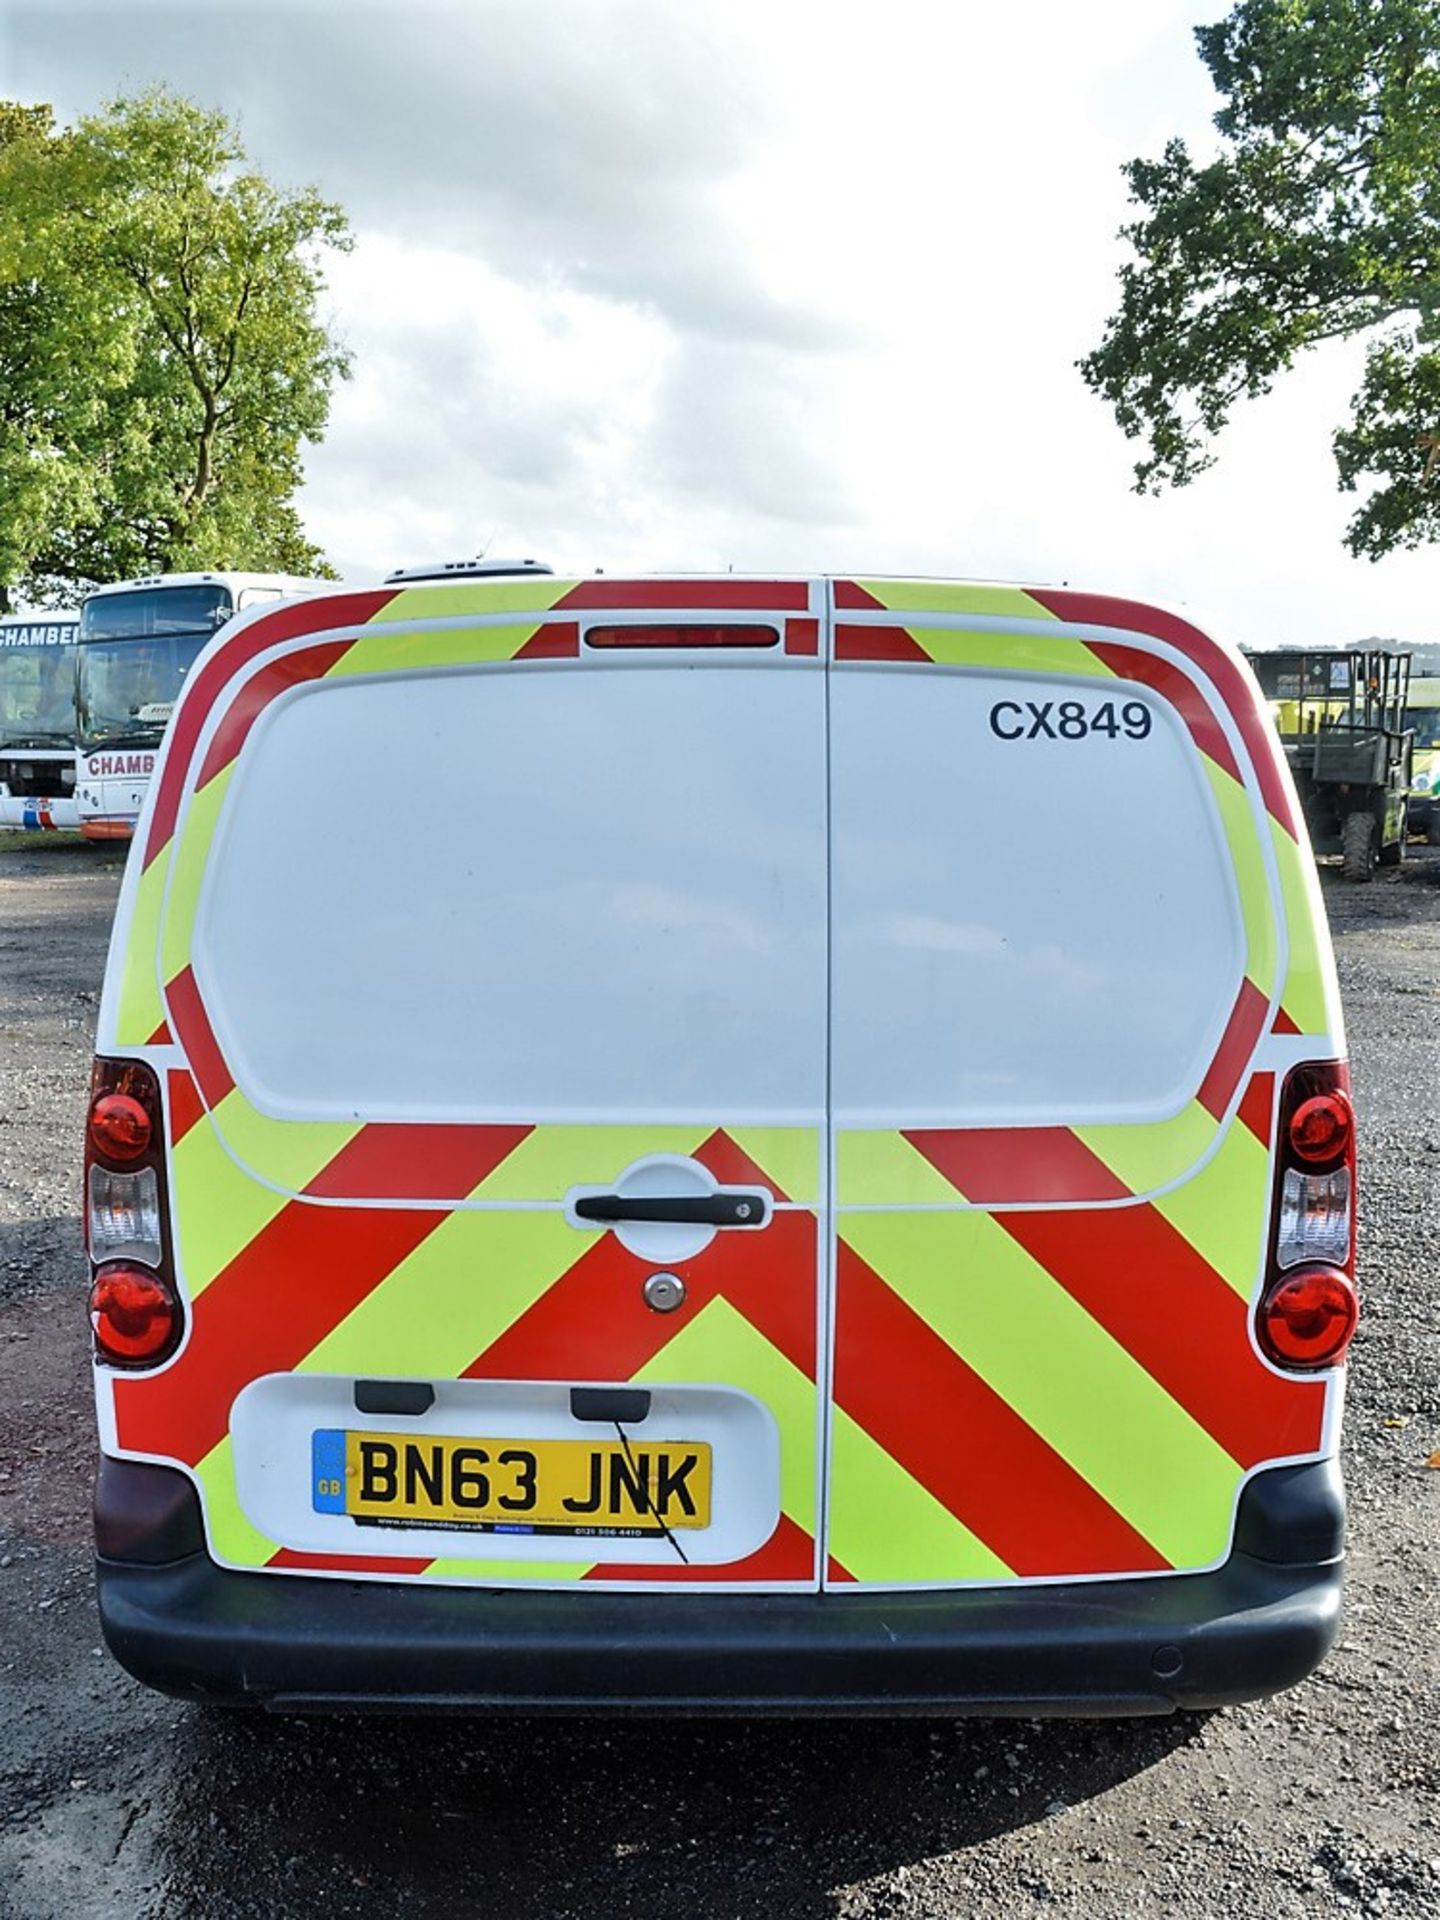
511,1486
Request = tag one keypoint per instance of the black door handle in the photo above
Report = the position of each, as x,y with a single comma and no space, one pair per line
701,1209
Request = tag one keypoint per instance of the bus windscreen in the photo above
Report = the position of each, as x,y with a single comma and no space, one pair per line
148,612
37,694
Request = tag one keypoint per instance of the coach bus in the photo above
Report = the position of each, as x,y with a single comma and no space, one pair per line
37,720
138,640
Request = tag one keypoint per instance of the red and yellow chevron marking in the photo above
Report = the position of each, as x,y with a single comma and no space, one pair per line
279,1285
1075,1391
1309,998
1013,1397
1050,1165
539,595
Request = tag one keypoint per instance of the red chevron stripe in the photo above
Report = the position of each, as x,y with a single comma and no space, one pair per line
1181,692
732,1168
802,636
1237,1045
555,640
1224,673
276,1300
286,623
1284,1024
789,1554
877,643
422,1162
932,1413
197,1037
346,1562
1174,1314
160,1037
854,598
592,1323
186,1106
1011,1165
257,693
1257,1108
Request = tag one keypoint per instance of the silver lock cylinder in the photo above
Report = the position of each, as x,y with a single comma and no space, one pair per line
664,1292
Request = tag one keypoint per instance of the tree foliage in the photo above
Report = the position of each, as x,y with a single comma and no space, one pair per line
1319,220
162,356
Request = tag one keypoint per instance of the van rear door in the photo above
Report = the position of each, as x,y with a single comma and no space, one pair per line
1060,858
493,945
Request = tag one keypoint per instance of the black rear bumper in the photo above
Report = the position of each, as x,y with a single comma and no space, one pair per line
1261,1622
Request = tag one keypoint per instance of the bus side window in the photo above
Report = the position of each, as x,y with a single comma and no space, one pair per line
256,597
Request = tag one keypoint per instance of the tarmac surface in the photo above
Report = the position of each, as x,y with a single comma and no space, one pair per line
115,1801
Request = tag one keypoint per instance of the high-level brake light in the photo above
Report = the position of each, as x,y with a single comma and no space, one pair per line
683,634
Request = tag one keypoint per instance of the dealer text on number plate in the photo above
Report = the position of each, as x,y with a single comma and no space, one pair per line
511,1486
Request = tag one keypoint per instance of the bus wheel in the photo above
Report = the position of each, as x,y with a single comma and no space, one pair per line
1358,846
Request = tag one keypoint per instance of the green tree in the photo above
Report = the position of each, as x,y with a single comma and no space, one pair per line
163,361
1319,220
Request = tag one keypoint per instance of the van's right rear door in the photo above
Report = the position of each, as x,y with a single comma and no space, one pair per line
1056,952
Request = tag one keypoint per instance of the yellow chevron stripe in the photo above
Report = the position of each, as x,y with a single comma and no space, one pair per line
552,1159
218,1209
506,1572
1061,1372
391,650
885,1526
536,594
140,1008
720,1344
789,1157
953,596
452,1296
1310,996
1147,1157
879,1167
1059,654
229,1532
1221,1212
1256,908
288,1152
188,857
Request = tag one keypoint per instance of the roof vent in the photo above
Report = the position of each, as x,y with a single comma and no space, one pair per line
464,570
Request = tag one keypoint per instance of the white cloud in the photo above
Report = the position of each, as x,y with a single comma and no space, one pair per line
734,282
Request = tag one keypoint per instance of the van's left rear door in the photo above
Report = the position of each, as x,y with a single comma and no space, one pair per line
440,1063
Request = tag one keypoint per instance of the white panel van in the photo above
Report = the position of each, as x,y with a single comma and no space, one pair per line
711,1216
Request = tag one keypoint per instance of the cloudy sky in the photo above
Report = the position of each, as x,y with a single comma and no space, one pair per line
749,283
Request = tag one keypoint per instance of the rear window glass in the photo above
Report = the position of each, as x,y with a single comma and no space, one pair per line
1029,928
587,893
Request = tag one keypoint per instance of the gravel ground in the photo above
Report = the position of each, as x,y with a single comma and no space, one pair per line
114,1801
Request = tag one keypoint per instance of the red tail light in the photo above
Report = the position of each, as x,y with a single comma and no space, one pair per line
119,1127
135,1310
1308,1317
134,1314
1308,1310
1322,1128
